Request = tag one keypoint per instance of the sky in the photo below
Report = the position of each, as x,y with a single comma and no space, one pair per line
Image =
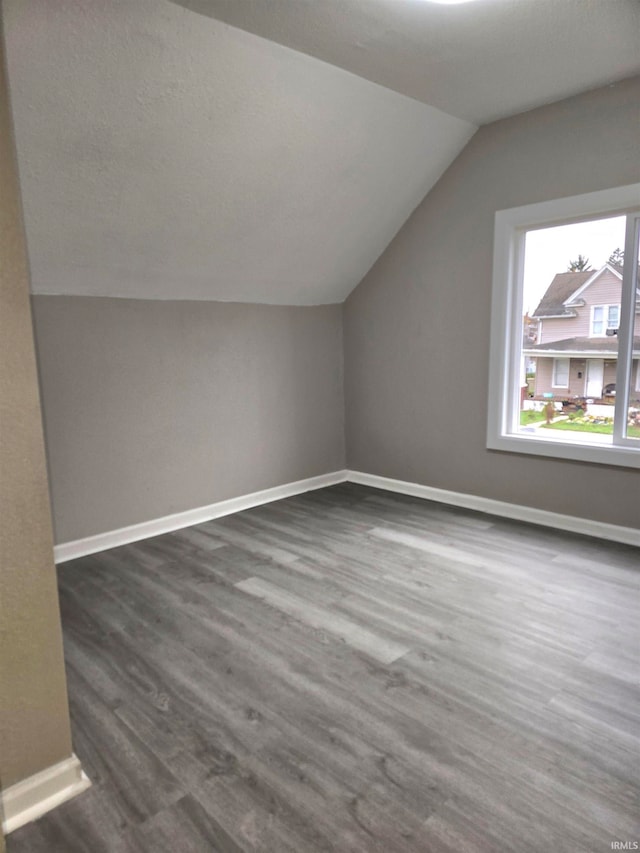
549,250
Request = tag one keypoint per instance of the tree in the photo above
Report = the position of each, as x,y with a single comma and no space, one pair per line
581,264
616,257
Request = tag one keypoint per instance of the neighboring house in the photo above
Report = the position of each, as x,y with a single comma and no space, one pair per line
529,337
577,344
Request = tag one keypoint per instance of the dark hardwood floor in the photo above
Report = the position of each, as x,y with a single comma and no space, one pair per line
351,670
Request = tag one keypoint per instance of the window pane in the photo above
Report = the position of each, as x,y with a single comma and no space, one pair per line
597,320
561,372
571,306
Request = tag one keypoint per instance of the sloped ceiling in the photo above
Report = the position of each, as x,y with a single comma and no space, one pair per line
479,61
164,154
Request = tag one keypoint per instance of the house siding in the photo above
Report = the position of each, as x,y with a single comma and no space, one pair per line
577,377
610,368
544,378
606,290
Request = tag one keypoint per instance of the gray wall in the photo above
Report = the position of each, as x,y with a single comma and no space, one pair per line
417,327
156,407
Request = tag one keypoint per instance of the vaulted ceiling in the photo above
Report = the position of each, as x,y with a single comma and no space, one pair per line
479,61
166,154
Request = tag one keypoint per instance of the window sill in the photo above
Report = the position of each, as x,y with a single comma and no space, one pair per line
599,449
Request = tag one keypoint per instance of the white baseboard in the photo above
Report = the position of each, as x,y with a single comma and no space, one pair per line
573,524
168,523
30,799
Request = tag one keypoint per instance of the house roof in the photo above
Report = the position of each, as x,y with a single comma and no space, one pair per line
583,345
567,286
561,288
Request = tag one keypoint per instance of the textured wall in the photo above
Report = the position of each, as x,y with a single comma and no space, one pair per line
482,62
156,407
417,328
167,155
34,721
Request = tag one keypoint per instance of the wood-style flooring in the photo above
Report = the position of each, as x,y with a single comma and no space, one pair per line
351,670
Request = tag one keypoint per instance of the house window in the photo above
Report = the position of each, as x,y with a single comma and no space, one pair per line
560,372
604,317
571,266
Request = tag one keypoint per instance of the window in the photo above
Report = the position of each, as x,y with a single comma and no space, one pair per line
597,320
604,317
571,266
560,372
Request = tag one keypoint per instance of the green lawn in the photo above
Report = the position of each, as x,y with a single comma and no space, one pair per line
602,429
528,416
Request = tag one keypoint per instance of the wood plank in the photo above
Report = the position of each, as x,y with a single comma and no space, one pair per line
349,632
351,670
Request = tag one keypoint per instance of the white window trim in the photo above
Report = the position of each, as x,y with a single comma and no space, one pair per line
554,376
605,319
625,332
506,312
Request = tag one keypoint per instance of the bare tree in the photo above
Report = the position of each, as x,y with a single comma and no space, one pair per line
581,264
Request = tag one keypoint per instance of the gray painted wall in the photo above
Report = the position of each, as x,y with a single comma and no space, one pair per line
154,407
417,327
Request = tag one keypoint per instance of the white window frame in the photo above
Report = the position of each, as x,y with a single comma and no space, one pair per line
606,319
554,380
503,428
